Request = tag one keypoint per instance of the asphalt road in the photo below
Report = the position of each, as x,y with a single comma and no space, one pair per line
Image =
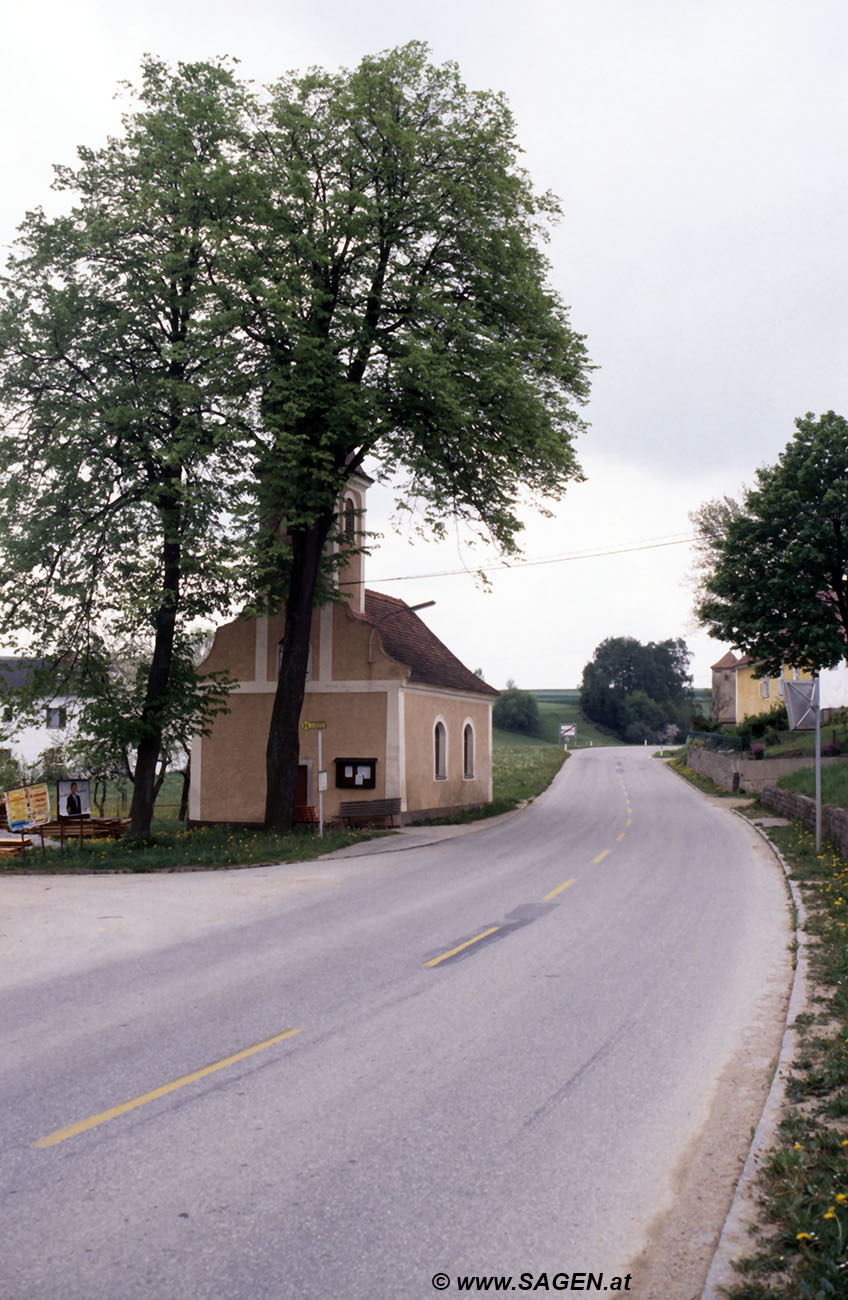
506,1047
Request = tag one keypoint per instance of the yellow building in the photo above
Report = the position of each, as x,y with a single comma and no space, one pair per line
405,720
737,694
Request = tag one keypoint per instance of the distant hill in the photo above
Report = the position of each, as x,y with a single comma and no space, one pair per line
557,706
563,706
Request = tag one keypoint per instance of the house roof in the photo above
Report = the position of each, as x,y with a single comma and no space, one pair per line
16,672
726,661
408,640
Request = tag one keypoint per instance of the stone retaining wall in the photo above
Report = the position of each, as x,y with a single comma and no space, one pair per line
801,808
735,771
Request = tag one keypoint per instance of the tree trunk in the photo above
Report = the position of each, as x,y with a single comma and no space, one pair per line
183,813
159,674
281,758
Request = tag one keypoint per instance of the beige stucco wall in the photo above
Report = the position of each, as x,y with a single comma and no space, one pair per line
370,712
422,709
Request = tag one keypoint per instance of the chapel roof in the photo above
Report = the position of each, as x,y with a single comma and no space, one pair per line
408,639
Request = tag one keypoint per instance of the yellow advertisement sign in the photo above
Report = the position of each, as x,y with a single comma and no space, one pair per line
27,807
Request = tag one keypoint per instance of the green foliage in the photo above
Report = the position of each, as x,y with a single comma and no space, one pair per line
640,692
52,765
777,586
516,710
11,776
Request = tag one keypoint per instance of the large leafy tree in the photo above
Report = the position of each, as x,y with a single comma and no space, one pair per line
395,310
637,690
119,391
777,587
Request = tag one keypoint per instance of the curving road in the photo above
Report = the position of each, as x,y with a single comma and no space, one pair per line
508,1046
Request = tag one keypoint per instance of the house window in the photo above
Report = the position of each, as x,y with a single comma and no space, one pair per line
440,751
780,687
468,752
765,688
57,717
349,519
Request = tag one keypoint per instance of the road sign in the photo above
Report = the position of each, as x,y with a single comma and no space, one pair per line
313,726
567,729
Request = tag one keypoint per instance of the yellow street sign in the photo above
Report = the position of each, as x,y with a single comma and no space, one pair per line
313,726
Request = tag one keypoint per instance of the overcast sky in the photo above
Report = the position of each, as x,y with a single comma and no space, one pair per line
698,149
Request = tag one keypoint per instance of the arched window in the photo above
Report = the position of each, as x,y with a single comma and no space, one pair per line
440,751
468,751
349,518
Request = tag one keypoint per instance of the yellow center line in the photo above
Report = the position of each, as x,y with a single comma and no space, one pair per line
629,821
93,1120
460,946
601,856
559,889
621,836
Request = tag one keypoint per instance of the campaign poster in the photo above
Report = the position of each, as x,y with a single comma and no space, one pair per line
73,799
27,807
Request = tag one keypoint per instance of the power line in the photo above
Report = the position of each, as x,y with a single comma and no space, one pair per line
529,564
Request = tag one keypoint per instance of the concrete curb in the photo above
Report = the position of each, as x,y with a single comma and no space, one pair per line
734,1234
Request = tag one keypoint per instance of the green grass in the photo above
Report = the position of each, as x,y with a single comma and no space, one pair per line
801,1243
834,782
173,848
522,767
563,706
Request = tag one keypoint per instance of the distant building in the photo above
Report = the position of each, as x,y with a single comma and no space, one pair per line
737,694
26,741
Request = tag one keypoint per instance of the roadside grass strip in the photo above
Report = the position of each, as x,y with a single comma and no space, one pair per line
801,1243
169,849
103,1116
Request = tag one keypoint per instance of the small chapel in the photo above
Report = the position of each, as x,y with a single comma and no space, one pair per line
392,713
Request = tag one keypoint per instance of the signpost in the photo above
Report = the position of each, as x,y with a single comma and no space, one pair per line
322,775
568,731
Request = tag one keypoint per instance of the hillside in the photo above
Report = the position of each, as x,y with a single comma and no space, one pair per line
563,706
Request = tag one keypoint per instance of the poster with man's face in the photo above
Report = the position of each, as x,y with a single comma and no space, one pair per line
73,799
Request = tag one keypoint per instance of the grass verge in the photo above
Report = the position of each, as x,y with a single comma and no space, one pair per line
799,1245
175,849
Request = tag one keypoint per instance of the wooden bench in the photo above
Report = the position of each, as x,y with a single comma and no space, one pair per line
369,810
91,828
14,848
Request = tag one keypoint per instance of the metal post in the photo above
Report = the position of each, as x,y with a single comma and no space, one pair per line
817,707
320,792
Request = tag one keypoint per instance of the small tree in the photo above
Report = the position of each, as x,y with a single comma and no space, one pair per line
516,710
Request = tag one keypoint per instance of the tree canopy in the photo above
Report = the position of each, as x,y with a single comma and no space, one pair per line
777,587
640,692
255,294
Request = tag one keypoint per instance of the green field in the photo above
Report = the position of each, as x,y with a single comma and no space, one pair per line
563,706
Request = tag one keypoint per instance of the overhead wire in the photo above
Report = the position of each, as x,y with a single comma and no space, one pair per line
503,565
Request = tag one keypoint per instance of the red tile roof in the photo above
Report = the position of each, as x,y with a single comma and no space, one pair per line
408,640
727,661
